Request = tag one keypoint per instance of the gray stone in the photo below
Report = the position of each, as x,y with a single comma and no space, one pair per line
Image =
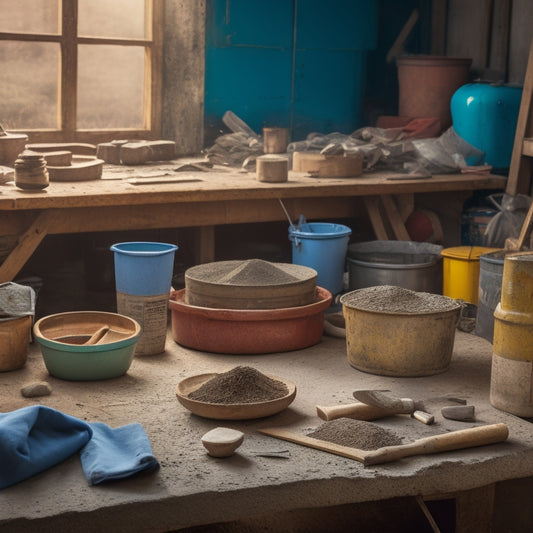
39,388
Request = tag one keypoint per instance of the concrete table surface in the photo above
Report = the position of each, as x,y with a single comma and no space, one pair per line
192,488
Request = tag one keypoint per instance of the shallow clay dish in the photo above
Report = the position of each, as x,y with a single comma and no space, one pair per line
232,411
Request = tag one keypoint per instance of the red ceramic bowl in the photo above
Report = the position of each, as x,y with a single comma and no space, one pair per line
248,331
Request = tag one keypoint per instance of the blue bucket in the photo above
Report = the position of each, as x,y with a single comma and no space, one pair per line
143,268
322,246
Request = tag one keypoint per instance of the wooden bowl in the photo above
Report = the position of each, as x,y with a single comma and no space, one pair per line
231,411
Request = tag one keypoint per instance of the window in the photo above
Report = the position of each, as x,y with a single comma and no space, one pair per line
81,70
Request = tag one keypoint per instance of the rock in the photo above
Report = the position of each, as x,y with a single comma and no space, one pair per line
463,413
39,388
222,442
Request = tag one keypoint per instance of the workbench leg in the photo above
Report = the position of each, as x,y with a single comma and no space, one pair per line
372,206
204,249
27,244
395,218
474,510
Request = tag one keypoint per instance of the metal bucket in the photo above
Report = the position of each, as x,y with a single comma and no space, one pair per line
408,264
490,289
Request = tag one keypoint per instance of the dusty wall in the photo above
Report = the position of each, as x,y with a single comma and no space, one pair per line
183,74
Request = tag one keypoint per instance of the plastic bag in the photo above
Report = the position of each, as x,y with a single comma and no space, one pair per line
508,222
445,154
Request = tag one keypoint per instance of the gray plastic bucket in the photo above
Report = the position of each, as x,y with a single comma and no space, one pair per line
412,265
490,290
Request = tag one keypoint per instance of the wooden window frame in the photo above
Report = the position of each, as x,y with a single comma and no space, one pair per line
69,41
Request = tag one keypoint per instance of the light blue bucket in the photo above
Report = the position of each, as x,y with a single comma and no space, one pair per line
322,246
143,268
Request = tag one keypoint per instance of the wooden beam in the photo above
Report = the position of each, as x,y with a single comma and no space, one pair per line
27,244
395,219
372,206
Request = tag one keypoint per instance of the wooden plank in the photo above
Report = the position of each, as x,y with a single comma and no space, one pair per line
520,168
27,244
372,206
397,48
204,244
439,17
405,204
468,31
527,147
69,69
395,219
474,510
499,39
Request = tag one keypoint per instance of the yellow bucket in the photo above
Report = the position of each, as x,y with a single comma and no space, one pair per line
460,272
401,344
511,387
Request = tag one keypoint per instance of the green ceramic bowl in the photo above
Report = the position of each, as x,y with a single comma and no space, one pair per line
62,337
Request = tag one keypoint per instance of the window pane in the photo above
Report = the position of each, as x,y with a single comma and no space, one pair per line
29,16
115,18
29,86
110,87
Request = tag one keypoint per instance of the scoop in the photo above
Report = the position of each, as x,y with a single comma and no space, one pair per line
97,335
222,442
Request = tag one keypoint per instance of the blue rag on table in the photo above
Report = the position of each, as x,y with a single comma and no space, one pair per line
35,438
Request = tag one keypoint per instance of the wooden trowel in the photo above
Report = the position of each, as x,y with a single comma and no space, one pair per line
454,440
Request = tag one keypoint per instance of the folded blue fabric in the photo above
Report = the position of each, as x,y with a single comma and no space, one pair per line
116,453
35,438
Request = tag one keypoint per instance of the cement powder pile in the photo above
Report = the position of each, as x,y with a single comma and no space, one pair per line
242,384
392,299
355,434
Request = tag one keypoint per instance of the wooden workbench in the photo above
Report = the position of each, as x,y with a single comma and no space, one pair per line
485,489
203,200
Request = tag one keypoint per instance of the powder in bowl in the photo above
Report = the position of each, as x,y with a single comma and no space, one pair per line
242,384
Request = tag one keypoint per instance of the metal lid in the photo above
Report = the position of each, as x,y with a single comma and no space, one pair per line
467,253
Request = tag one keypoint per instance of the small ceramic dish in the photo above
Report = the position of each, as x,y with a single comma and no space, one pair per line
222,442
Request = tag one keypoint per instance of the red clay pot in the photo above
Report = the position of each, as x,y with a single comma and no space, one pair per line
427,84
248,331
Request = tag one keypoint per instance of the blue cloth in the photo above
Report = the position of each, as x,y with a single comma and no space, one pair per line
116,453
35,438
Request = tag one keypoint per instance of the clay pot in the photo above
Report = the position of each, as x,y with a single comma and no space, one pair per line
11,145
427,84
247,331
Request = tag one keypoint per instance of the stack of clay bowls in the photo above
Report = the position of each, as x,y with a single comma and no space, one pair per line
31,171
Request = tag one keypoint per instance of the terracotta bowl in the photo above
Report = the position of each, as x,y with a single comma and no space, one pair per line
248,331
62,339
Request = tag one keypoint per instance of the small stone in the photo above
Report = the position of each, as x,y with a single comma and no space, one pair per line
40,388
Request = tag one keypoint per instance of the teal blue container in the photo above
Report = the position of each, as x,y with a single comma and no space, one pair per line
308,75
485,115
143,268
322,246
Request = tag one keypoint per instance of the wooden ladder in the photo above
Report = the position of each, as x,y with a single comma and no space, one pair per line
519,179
